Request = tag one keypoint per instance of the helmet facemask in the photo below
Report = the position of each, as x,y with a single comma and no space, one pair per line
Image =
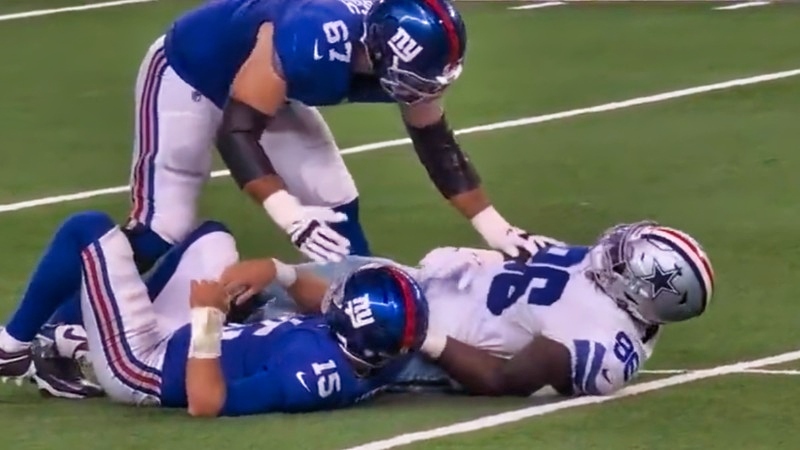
610,260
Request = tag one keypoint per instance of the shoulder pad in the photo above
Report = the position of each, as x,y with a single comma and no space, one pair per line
314,44
601,368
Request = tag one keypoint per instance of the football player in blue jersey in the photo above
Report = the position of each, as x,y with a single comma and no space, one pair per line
246,76
372,319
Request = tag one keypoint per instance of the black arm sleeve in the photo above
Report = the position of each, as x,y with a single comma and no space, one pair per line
448,166
237,142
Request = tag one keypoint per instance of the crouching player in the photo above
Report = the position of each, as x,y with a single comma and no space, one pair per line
372,318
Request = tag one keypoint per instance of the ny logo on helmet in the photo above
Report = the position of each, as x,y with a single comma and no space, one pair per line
359,312
403,46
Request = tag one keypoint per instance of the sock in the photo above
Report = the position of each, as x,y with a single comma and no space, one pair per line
10,343
352,230
57,277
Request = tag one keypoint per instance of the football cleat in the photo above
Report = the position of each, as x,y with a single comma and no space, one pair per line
57,376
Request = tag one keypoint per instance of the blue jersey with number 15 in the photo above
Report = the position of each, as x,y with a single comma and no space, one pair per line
289,365
313,44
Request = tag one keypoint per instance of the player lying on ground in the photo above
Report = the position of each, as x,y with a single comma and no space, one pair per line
143,356
580,319
248,74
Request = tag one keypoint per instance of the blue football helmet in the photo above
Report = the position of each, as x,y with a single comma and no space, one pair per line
377,312
416,47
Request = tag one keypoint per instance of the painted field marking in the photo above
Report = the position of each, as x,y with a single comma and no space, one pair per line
66,9
537,5
540,410
743,5
606,107
745,371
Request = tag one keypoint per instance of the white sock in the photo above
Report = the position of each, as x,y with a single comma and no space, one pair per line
11,344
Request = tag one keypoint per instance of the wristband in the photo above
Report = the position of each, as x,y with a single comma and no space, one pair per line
284,208
206,341
285,275
434,345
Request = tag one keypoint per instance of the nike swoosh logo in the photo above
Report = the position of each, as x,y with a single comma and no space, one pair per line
604,374
70,334
302,381
317,56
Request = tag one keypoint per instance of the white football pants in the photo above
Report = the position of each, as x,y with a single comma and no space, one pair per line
174,138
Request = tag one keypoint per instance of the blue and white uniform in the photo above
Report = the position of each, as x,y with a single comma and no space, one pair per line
138,335
184,82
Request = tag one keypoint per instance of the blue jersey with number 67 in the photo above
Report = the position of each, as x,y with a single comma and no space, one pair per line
313,43
291,365
504,306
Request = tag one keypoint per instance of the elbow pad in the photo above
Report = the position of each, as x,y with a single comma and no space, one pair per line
238,142
447,165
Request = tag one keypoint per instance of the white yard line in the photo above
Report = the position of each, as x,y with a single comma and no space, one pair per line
741,6
540,410
48,12
613,106
537,5
745,371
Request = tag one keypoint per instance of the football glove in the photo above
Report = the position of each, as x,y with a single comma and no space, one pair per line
512,241
308,227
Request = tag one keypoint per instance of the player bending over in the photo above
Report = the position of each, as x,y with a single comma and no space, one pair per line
247,75
142,355
580,319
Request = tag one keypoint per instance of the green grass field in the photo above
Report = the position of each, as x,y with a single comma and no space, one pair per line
720,165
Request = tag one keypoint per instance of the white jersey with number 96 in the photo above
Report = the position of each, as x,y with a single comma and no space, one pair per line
503,306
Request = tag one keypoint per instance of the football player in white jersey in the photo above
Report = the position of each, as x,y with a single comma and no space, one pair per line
582,320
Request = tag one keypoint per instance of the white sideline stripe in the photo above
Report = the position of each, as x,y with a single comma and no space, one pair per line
488,127
540,410
741,5
66,9
746,371
537,5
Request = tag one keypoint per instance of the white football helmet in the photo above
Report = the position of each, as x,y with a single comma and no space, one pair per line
657,274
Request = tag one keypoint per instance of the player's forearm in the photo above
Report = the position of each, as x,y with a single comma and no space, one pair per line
480,372
471,203
448,166
205,387
205,383
308,291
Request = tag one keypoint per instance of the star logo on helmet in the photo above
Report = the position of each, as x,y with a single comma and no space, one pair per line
661,280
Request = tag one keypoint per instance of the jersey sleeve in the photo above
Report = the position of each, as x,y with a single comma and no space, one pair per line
601,367
314,51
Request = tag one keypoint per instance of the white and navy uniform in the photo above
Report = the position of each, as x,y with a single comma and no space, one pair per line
507,305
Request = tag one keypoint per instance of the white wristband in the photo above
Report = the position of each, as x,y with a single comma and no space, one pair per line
206,342
434,346
489,222
284,208
285,275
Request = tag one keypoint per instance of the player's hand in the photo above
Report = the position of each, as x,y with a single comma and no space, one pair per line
517,243
315,238
245,279
208,294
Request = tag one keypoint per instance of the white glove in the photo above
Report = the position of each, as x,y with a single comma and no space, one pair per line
500,235
308,227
